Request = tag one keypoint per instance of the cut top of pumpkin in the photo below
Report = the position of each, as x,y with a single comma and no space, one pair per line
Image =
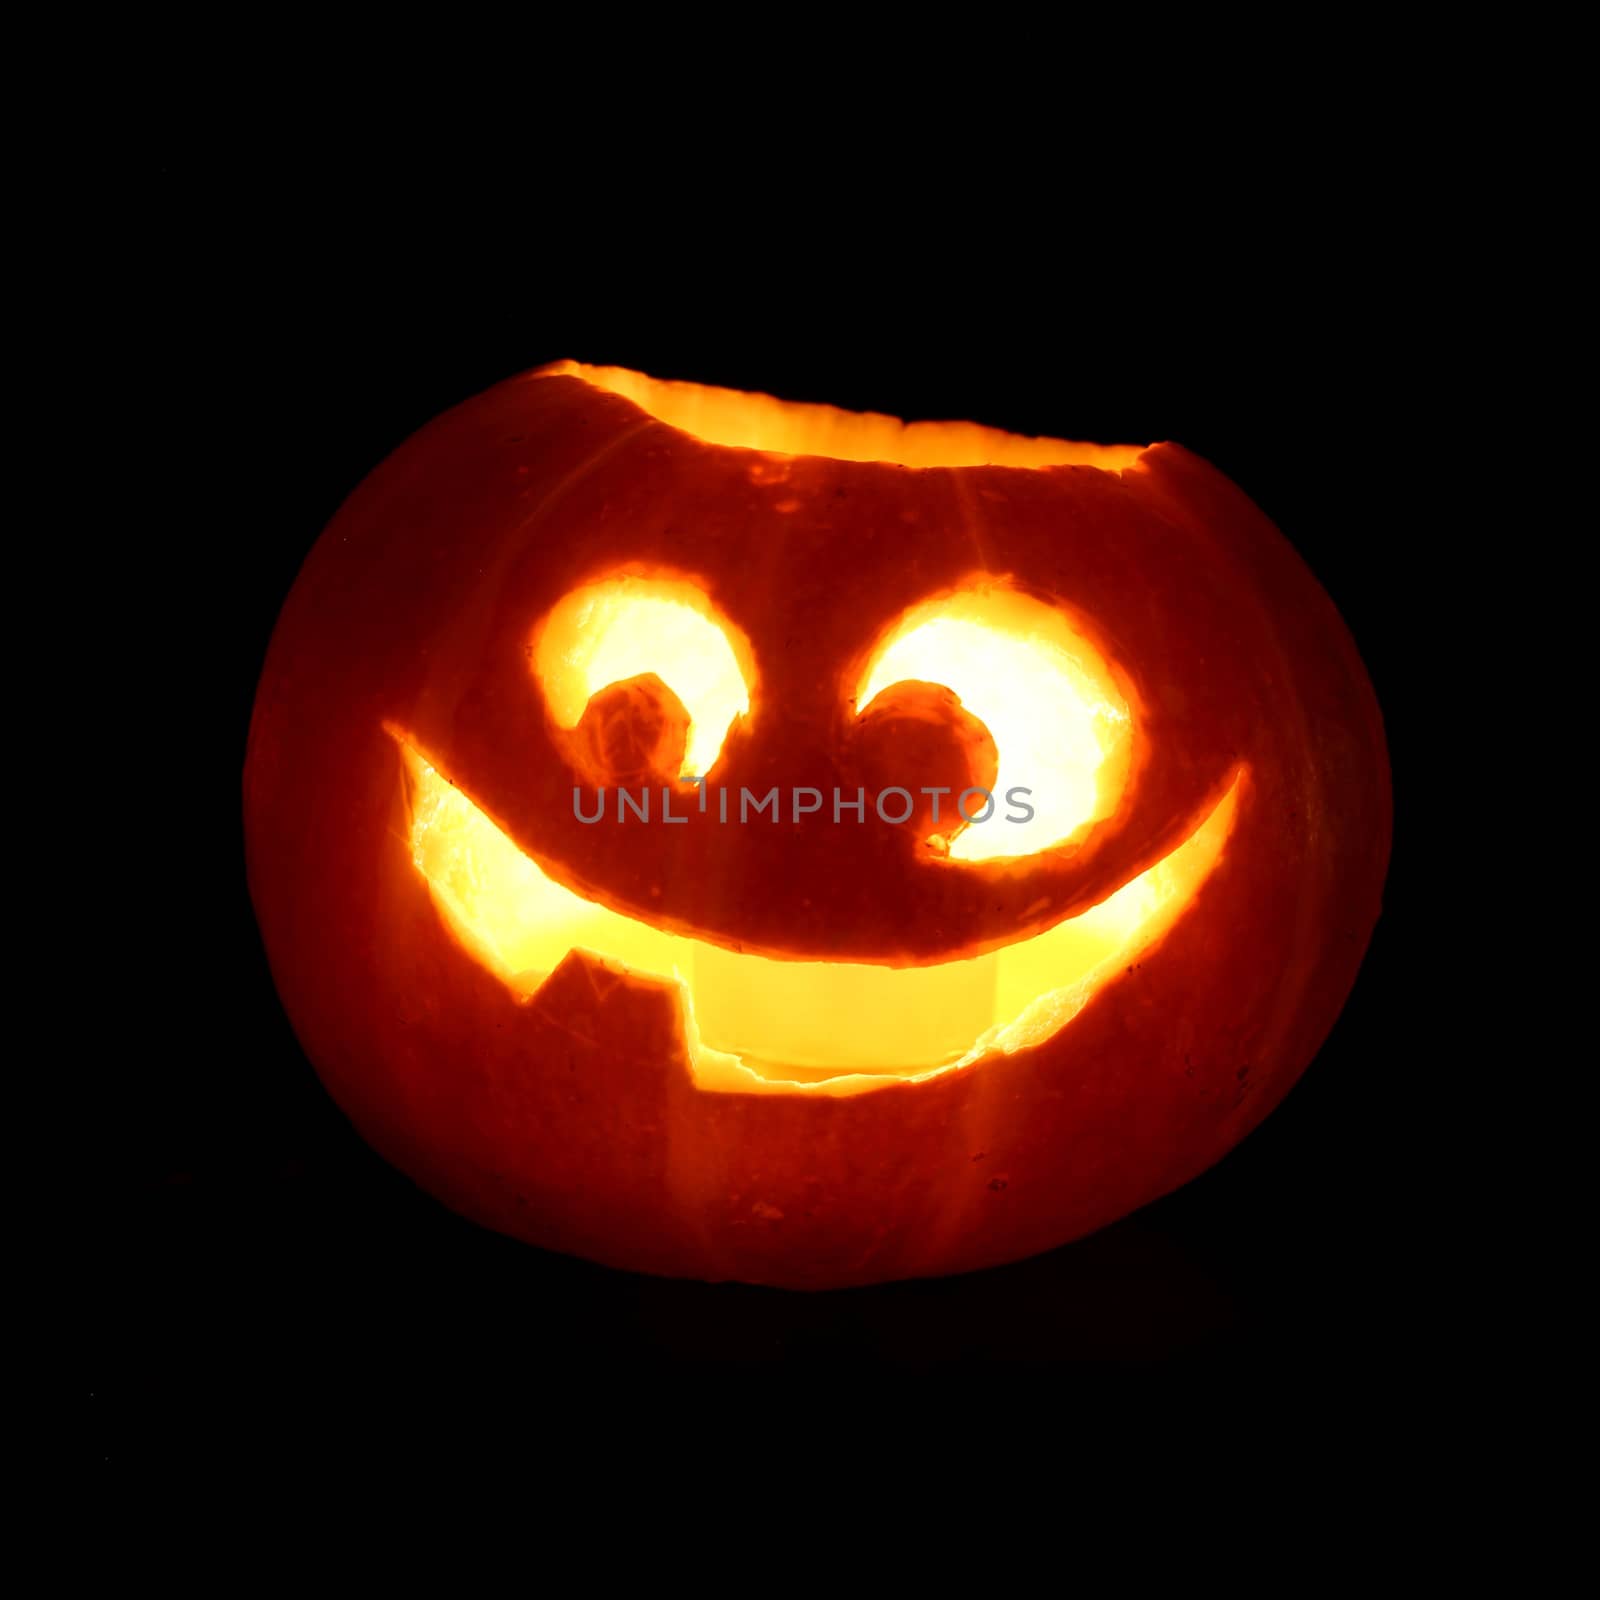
761,422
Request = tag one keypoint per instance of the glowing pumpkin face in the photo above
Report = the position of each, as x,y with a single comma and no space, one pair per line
745,840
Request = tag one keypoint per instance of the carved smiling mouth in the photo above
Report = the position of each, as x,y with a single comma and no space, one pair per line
757,1024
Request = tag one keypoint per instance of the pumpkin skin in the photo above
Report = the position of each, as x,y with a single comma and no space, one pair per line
571,1118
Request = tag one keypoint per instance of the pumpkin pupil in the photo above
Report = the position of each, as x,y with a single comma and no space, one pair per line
917,736
636,732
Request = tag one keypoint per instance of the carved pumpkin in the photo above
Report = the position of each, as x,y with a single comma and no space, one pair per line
608,801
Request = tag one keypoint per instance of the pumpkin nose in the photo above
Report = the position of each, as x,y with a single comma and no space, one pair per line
917,738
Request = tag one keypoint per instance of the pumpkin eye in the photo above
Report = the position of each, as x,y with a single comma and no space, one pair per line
632,627
1050,701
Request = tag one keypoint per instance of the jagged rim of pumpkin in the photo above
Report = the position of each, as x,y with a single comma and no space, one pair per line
749,420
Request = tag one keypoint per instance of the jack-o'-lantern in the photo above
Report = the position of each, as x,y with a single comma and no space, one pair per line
746,840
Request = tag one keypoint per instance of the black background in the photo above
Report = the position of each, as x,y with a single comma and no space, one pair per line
267,1277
